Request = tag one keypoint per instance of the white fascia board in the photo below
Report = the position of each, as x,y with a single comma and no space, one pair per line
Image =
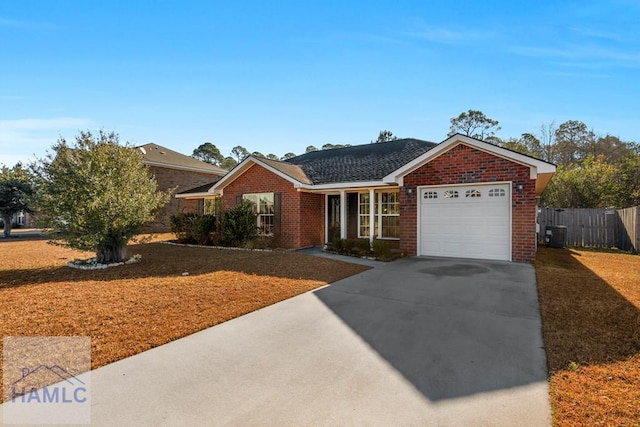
281,174
535,166
184,168
243,166
196,195
343,185
231,175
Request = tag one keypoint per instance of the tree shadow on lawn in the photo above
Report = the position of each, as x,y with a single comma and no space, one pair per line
585,320
165,261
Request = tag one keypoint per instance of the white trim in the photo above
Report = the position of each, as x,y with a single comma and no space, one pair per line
346,185
245,165
184,168
419,209
372,215
343,214
326,218
197,195
535,166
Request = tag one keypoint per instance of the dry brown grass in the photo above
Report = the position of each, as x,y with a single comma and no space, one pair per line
129,309
590,304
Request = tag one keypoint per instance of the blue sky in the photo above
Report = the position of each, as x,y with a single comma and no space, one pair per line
278,76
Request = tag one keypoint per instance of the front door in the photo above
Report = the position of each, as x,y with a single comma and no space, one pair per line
333,217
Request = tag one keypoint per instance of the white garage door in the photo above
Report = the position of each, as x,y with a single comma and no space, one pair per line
471,221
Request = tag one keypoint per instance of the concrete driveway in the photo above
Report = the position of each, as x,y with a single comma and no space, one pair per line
419,341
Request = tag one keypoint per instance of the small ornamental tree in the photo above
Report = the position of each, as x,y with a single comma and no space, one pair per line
96,194
16,193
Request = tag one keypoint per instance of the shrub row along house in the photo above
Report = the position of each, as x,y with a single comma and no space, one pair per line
460,198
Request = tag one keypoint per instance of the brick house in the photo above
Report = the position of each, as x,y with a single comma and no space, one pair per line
460,198
177,172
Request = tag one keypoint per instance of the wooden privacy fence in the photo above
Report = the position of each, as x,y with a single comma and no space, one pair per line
618,228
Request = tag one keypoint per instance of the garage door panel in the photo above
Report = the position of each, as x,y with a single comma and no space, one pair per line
467,227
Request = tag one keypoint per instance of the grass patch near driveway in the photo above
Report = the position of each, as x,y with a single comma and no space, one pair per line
133,308
590,306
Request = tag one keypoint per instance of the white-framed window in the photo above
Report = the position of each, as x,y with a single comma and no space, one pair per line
364,209
473,193
430,195
265,208
20,218
497,192
210,206
389,213
450,194
386,214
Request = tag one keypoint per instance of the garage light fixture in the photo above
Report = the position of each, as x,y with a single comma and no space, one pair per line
520,188
409,192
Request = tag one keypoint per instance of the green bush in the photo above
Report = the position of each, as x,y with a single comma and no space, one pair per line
363,245
239,224
336,244
181,226
193,228
202,229
347,246
381,249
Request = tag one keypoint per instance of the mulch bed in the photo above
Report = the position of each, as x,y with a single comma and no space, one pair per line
173,292
590,305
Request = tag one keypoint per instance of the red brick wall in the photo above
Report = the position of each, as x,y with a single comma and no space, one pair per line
169,179
301,217
465,164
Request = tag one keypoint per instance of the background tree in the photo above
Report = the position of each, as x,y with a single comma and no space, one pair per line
385,136
310,148
228,163
527,144
257,154
547,138
272,156
239,152
16,194
209,153
288,156
593,183
571,136
611,147
475,124
96,194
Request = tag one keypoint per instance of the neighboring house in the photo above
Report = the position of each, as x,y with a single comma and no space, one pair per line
460,198
176,172
21,220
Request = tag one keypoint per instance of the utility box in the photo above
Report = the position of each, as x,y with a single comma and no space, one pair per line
555,236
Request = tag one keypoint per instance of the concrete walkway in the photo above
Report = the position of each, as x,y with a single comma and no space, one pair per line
429,342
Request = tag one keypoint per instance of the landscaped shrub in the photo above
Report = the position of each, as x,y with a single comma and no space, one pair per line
181,225
202,229
239,224
381,249
363,245
347,246
336,244
193,228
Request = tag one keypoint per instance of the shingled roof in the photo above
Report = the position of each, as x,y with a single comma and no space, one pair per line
369,162
199,189
161,156
292,170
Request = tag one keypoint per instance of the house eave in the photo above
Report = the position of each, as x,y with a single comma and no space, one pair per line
344,186
536,167
184,168
243,166
196,195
